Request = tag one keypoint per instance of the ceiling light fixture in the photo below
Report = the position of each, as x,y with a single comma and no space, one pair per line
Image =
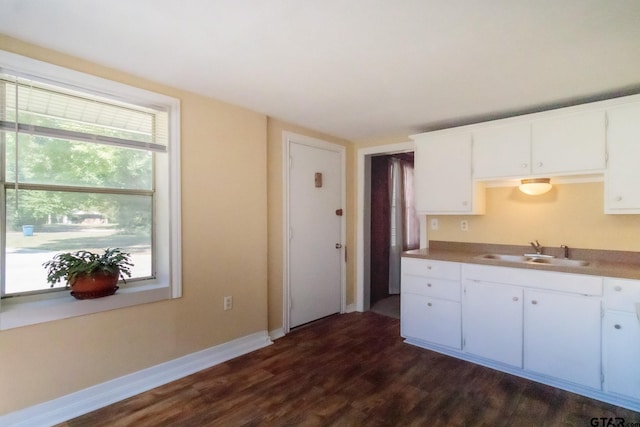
535,186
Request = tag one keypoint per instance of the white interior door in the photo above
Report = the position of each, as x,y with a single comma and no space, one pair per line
315,239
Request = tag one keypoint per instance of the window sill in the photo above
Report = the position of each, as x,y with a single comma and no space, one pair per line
17,313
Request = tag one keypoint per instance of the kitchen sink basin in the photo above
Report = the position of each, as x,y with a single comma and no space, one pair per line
509,258
563,262
536,259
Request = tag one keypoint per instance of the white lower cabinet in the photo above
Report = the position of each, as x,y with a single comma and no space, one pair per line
578,332
562,336
493,321
622,353
430,302
431,319
621,337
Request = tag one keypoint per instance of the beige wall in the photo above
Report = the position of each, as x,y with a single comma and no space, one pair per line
570,214
224,195
275,214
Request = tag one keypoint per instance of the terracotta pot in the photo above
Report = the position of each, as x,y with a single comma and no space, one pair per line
95,285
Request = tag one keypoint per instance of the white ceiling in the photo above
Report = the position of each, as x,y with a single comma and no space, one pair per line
356,69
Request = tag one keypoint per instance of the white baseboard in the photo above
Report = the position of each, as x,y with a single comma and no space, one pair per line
350,308
276,333
95,397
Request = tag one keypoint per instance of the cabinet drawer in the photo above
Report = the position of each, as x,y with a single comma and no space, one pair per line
431,287
621,294
430,268
431,319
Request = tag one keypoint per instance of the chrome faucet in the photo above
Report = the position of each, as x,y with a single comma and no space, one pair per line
537,247
566,251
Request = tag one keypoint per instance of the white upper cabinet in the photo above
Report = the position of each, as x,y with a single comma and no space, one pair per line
622,181
569,144
443,182
500,152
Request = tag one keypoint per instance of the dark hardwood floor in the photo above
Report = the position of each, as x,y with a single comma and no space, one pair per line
351,370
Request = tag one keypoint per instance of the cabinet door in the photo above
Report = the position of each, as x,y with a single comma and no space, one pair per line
432,320
622,353
492,322
562,336
569,144
502,152
442,171
622,182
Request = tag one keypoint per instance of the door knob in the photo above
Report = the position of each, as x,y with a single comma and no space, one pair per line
338,246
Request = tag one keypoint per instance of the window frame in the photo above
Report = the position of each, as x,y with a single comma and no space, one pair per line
25,310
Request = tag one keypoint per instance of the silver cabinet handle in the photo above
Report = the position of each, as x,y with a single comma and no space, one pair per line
540,164
515,298
428,285
524,165
534,302
429,304
618,288
619,199
617,326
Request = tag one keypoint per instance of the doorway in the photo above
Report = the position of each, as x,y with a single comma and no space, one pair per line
394,228
314,230
363,214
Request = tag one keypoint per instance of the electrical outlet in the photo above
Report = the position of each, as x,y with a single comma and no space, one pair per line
464,225
228,303
434,223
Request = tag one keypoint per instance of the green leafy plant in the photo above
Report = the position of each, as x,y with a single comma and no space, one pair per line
70,265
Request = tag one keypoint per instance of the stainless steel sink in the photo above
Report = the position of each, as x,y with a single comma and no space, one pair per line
535,259
508,258
563,262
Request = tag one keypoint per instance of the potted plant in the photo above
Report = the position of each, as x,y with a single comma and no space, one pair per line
89,275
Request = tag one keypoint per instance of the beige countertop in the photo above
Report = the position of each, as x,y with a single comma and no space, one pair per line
619,264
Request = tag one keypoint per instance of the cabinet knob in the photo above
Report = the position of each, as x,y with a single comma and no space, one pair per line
617,326
524,165
428,267
618,198
428,285
429,304
534,302
618,289
540,164
465,203
515,298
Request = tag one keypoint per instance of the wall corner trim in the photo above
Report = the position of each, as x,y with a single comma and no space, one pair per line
81,402
276,333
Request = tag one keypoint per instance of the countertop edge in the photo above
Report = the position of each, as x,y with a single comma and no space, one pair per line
621,270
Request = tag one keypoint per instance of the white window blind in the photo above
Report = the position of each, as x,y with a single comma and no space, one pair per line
36,108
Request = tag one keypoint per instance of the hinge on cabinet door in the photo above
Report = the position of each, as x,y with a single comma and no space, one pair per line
601,377
464,342
606,140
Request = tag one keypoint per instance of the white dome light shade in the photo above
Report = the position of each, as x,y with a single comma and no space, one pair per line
535,186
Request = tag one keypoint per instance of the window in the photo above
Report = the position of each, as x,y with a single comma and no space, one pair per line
90,164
